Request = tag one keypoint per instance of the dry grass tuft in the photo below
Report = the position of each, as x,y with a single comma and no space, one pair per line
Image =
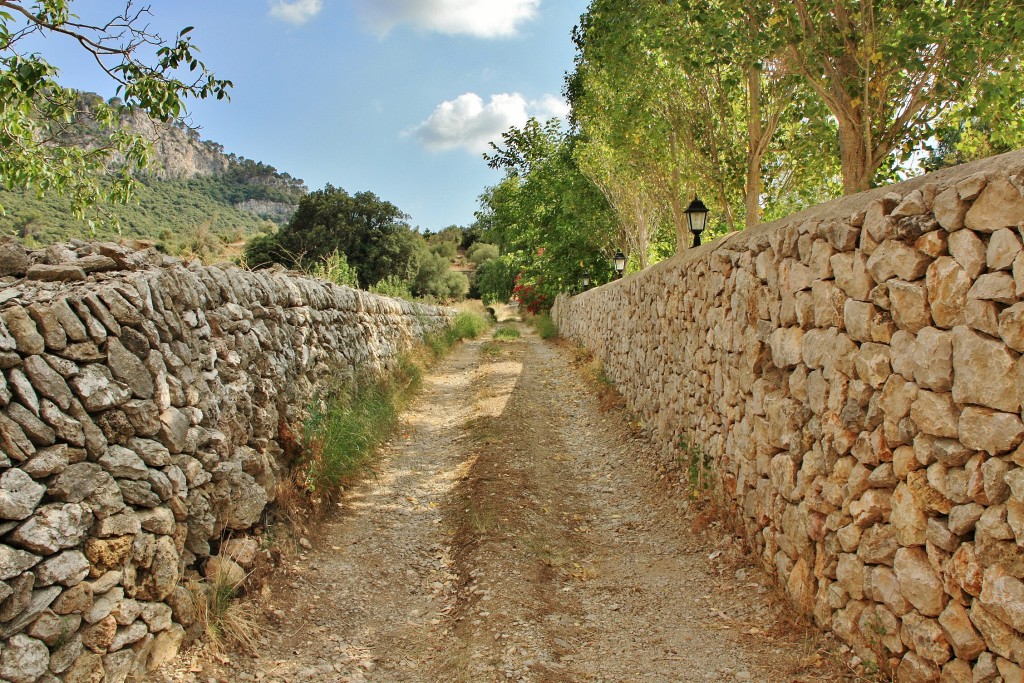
227,620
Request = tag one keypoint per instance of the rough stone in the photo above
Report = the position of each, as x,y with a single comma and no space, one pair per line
988,430
23,329
19,494
127,368
918,581
910,309
23,659
96,388
1000,205
68,569
984,371
53,527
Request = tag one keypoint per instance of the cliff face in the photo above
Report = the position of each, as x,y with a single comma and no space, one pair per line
178,153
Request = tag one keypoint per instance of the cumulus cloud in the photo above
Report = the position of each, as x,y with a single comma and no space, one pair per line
471,124
295,12
479,18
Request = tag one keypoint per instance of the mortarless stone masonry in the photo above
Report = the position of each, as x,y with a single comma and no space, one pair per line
856,371
140,405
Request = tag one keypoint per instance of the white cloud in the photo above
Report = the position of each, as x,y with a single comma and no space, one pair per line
296,11
479,18
469,123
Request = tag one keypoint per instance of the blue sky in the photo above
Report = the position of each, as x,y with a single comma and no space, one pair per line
398,97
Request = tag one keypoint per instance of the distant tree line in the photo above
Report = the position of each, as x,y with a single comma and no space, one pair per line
364,241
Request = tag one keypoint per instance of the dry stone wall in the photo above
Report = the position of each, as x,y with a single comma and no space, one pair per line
856,372
141,403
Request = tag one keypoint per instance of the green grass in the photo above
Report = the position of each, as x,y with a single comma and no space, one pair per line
506,333
467,325
545,326
348,423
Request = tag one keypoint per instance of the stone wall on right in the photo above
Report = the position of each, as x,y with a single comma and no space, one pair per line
855,372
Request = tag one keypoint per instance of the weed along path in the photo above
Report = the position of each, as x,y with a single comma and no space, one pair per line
515,532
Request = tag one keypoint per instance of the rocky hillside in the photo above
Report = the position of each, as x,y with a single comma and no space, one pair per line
194,198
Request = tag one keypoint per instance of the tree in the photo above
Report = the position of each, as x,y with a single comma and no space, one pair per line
550,221
890,72
36,111
676,98
371,233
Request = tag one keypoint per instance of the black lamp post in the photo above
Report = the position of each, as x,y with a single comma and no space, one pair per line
620,263
697,218
585,280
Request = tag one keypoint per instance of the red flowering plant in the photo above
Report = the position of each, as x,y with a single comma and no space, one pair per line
529,296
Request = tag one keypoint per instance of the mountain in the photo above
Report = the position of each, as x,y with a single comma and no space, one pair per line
194,199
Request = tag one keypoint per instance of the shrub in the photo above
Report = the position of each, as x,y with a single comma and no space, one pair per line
481,253
545,326
392,286
334,268
506,333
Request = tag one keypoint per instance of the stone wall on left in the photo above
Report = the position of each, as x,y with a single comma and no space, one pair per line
141,406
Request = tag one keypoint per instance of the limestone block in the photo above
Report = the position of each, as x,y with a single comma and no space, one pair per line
962,518
68,568
907,517
1000,638
918,581
986,670
872,364
1003,248
786,346
933,359
53,527
851,274
1000,205
988,430
963,571
19,494
878,545
948,284
1011,327
984,371
925,637
909,302
828,304
914,668
936,414
23,329
997,287
960,632
956,671
96,388
1003,596
23,659
1010,672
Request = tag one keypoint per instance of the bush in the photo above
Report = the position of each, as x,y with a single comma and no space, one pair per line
495,280
545,326
481,253
445,249
334,268
434,279
506,333
392,286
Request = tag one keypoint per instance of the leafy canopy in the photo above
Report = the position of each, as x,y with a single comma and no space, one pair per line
152,74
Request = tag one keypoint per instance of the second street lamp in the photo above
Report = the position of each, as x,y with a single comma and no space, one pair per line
620,263
585,280
696,218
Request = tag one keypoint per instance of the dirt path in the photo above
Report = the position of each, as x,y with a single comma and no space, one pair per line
514,532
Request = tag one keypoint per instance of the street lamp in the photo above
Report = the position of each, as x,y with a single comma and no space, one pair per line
620,263
585,280
697,218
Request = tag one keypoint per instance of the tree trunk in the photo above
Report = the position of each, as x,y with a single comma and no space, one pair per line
752,194
853,154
